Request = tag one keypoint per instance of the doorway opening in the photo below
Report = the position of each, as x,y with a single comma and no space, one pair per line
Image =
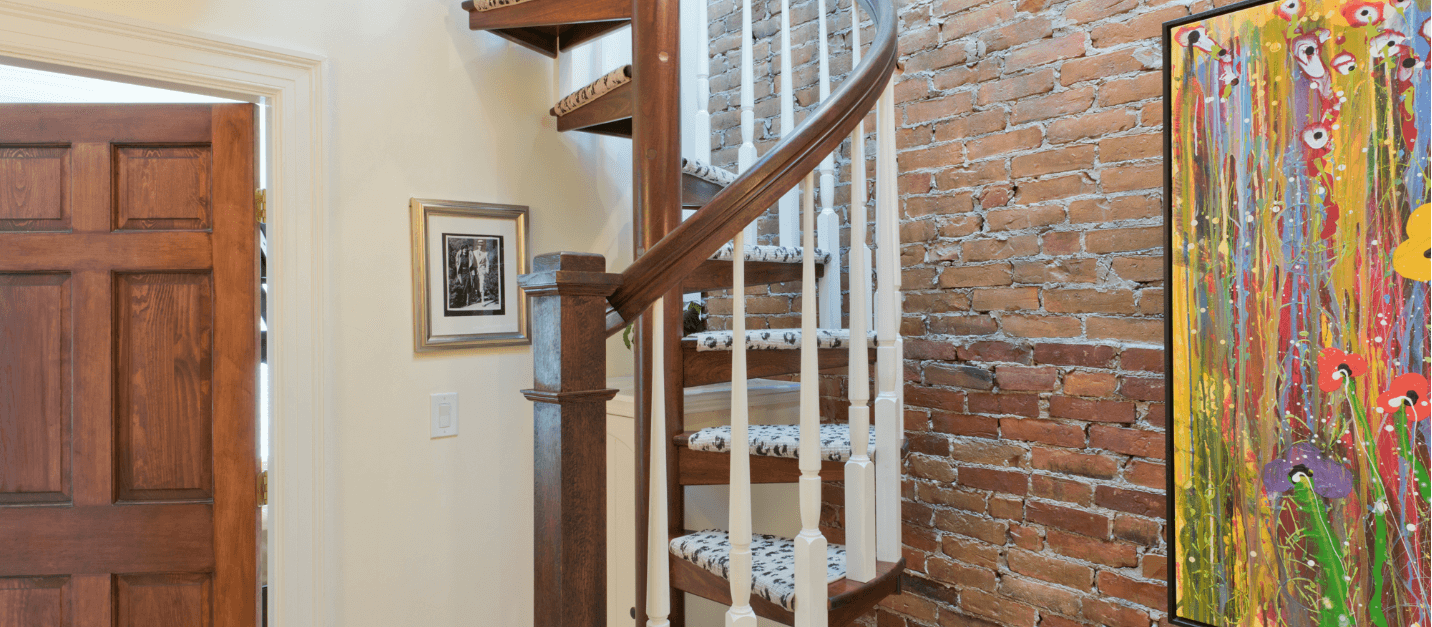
24,85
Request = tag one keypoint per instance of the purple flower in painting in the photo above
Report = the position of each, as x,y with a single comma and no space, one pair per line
1302,462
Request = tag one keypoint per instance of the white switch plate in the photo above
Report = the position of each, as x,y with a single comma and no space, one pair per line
444,414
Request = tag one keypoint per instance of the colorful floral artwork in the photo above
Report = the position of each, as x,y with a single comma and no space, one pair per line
1299,314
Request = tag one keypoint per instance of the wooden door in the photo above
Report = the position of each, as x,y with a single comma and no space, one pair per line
128,364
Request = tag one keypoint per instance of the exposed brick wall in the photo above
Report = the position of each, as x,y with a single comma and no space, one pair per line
1030,142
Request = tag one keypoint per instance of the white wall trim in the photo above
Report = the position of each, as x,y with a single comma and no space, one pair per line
45,35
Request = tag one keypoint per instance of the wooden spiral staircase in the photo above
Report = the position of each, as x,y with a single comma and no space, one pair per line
576,304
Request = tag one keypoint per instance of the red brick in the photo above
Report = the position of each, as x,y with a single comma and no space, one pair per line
1052,570
1075,408
1023,86
1026,538
1068,491
1151,302
976,250
1001,610
1005,299
974,124
1116,554
965,24
1006,507
956,77
1157,415
941,57
1128,178
1141,269
976,276
1063,47
938,109
1126,90
1026,379
971,377
1105,613
1074,355
1115,209
1130,147
981,324
910,605
965,424
1068,519
991,531
1042,431
1091,10
961,499
1146,474
1142,389
1092,125
1022,139
1056,271
1005,404
916,348
1130,329
931,468
928,444
1099,67
1040,595
970,551
955,573
1084,300
1144,593
1007,481
1061,104
989,453
1053,161
1018,33
1040,326
1067,462
1131,501
1154,567
1024,217
936,302
991,351
1143,27
934,398
1043,190
1139,530
1090,383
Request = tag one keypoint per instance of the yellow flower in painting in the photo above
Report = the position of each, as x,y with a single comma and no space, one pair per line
1413,257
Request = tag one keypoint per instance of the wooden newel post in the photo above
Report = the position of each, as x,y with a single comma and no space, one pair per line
569,304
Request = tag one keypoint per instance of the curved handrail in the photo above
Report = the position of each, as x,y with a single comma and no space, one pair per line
693,241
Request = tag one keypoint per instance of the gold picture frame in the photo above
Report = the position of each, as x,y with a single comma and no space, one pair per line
466,260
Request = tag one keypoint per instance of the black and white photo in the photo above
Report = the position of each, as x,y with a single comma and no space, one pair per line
472,269
466,260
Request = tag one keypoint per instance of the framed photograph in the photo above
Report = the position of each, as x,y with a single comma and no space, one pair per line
1297,177
466,260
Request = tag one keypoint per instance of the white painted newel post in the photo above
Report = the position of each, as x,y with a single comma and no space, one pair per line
746,156
859,470
828,224
788,212
740,613
658,565
887,336
810,545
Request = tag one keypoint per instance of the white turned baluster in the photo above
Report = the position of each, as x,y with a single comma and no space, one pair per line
828,224
701,129
740,613
859,470
746,156
810,545
888,380
658,568
788,213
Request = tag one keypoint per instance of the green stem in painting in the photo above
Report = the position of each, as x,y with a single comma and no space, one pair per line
1334,603
1419,471
1380,549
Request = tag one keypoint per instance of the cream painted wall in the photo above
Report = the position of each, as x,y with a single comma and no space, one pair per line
426,532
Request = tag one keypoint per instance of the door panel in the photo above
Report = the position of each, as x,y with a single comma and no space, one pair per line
163,381
34,602
128,358
35,196
35,361
162,187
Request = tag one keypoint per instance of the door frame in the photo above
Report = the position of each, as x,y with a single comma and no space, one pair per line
49,36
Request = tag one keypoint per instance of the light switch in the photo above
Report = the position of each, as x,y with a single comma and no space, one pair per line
444,414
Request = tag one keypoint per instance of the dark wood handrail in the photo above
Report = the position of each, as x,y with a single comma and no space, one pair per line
678,254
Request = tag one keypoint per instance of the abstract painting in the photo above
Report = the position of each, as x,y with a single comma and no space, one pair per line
1298,223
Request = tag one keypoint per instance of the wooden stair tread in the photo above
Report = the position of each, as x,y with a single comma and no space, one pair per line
704,367
715,274
847,600
550,26
769,340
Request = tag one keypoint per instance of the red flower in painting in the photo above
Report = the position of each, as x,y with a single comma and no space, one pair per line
1335,366
1410,392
